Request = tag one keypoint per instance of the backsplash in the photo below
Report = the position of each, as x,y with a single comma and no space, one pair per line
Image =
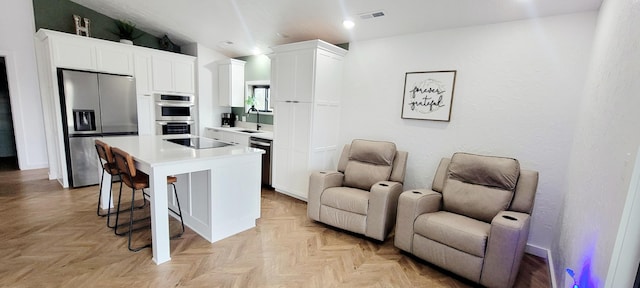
264,118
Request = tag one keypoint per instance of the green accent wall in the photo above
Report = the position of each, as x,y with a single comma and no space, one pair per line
58,15
257,67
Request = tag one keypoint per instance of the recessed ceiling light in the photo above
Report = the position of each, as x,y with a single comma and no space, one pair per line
348,24
256,51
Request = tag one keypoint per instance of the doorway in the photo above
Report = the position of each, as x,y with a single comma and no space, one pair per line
8,154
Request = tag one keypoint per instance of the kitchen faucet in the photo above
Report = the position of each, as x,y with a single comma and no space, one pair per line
253,108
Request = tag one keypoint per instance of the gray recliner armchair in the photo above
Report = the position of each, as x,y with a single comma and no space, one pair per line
362,195
474,221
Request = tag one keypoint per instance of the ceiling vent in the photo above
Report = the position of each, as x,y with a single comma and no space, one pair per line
371,15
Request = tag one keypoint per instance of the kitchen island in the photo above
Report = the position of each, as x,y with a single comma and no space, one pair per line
218,188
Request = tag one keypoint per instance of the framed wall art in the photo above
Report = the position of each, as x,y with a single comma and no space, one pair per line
428,95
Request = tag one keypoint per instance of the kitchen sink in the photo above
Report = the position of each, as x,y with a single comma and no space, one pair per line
249,131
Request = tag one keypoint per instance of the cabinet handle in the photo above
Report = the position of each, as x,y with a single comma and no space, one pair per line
295,101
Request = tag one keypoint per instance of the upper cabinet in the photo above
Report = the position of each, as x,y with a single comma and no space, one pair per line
173,73
155,71
302,74
142,72
87,54
115,59
73,53
296,69
231,83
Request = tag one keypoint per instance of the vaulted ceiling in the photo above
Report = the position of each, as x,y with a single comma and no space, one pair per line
236,27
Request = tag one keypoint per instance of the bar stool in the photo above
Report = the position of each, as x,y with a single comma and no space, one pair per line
137,180
105,158
109,166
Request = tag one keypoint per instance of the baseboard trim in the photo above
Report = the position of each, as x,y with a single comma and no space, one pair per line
546,254
537,251
290,194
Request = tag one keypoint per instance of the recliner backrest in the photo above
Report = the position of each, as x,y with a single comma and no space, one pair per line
524,196
369,162
365,162
480,186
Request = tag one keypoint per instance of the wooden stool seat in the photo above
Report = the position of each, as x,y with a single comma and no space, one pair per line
110,168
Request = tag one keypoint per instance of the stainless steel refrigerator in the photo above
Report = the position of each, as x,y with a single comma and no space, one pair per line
93,105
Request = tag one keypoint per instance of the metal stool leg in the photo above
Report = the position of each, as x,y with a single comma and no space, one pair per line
118,210
175,193
115,226
100,196
133,195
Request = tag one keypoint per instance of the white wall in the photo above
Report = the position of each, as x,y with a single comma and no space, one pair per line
17,27
605,146
209,112
516,94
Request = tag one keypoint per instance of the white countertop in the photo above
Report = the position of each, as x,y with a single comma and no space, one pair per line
152,149
259,133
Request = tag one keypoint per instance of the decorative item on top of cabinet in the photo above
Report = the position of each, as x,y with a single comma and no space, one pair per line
231,83
167,45
306,78
126,31
82,30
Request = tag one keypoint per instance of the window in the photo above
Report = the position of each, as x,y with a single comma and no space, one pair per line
258,95
261,95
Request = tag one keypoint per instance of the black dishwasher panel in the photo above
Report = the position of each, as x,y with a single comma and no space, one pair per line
266,145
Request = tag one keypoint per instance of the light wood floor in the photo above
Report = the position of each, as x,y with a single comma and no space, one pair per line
51,237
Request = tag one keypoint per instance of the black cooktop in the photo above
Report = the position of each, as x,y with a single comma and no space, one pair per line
199,143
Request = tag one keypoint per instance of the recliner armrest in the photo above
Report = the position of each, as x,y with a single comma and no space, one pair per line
383,204
505,248
411,204
318,182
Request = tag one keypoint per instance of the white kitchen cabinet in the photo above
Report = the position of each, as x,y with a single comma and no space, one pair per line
173,73
142,73
146,119
241,139
184,75
114,59
162,74
225,135
297,67
231,83
145,101
292,148
213,133
306,81
90,55
73,53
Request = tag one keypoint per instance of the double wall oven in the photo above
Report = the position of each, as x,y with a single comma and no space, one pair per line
174,114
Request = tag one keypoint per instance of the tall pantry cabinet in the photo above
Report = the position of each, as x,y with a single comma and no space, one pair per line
306,82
